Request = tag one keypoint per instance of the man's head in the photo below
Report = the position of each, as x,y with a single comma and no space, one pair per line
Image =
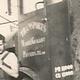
2,42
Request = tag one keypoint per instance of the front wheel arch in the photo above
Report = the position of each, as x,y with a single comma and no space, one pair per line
27,72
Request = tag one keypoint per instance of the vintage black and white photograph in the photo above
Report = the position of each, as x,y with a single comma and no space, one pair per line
39,39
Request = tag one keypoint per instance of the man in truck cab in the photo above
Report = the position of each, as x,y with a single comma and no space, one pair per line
8,62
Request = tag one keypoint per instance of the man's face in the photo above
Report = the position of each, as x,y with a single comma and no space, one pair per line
1,46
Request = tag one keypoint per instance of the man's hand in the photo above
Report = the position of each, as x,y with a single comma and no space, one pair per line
0,63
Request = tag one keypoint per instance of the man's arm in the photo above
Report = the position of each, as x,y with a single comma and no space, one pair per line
11,60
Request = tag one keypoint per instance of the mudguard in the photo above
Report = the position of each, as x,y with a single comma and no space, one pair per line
29,72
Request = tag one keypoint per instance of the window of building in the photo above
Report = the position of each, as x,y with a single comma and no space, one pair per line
28,6
3,7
